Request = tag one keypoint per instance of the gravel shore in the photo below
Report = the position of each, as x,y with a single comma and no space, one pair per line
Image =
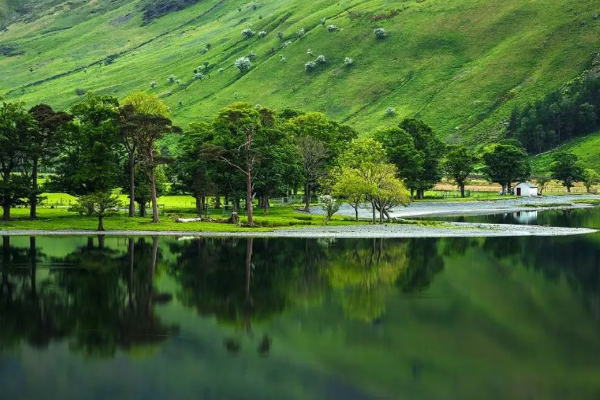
451,229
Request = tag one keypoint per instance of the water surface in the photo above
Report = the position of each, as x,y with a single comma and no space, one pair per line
150,318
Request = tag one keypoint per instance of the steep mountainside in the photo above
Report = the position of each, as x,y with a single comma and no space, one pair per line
460,65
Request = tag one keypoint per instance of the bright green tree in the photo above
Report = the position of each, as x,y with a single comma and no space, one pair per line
102,204
590,178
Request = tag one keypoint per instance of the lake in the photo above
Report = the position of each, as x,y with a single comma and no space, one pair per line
161,318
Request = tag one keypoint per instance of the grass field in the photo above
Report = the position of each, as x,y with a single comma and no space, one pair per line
460,65
586,148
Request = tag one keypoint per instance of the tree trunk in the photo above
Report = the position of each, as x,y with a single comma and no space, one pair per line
249,198
508,188
100,224
6,210
569,188
373,209
462,190
307,197
381,215
155,219
33,261
132,184
217,202
356,212
34,187
266,204
198,204
6,200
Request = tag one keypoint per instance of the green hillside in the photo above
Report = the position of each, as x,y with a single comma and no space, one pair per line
586,148
460,65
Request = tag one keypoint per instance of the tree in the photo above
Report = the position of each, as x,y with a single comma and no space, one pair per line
330,206
401,151
458,165
389,191
590,178
16,126
102,205
154,127
43,144
320,142
351,186
431,151
132,135
566,168
237,128
543,182
91,156
505,164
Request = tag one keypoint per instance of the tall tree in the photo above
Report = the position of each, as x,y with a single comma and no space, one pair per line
237,130
505,164
16,125
43,144
566,168
154,128
320,142
458,165
141,103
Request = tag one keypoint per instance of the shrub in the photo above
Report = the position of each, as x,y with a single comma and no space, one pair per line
309,52
323,21
79,92
379,33
332,28
221,69
206,63
236,95
198,76
251,55
348,61
280,35
262,34
281,58
321,59
330,206
301,32
178,81
153,85
172,79
208,46
248,33
243,64
204,50
309,66
390,112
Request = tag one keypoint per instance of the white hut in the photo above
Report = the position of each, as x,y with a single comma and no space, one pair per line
526,189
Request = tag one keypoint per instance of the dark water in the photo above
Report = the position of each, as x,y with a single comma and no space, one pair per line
473,318
575,218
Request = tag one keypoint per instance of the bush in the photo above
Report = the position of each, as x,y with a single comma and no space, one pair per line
323,21
390,112
243,64
262,34
321,59
221,69
198,76
309,66
204,50
301,32
251,55
248,33
172,79
178,81
79,92
153,85
348,61
330,206
281,58
332,28
309,52
280,35
379,33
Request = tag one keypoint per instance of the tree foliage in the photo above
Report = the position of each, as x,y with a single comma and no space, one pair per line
566,168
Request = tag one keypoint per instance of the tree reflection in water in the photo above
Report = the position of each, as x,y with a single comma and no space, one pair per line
98,298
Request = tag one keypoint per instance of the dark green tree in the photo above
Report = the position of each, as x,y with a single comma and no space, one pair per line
16,127
505,164
458,165
567,169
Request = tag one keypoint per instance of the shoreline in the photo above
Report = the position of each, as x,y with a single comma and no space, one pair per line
392,231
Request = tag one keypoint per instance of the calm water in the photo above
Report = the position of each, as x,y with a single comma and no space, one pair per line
145,318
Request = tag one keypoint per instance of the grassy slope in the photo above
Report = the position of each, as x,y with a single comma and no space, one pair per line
586,148
460,65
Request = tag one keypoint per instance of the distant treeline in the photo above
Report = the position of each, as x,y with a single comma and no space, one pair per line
155,9
561,115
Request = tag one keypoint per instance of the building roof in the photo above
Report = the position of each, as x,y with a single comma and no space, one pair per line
528,184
